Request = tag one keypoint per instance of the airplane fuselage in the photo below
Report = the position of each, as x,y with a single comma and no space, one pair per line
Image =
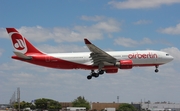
82,60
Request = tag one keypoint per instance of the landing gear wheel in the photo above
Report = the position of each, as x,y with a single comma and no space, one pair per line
96,75
89,77
101,72
156,70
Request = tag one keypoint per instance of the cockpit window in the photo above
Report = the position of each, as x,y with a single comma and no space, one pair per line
167,54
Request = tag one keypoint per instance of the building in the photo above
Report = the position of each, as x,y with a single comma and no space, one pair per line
158,106
76,108
64,105
100,106
94,105
4,106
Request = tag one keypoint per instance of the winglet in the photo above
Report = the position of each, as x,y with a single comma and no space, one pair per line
87,41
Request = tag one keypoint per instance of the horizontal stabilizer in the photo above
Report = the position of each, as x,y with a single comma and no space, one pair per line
21,55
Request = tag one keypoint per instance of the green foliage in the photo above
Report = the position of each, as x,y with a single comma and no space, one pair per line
43,103
32,106
47,104
126,107
81,102
23,105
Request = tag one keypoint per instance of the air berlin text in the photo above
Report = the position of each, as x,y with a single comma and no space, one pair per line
142,56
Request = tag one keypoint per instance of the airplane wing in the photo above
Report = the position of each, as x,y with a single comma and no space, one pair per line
99,56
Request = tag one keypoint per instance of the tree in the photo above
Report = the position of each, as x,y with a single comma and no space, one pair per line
126,107
23,105
81,102
47,104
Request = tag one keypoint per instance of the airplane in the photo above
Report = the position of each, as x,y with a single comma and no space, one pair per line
97,60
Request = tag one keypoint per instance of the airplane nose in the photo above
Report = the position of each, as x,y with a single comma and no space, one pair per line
171,58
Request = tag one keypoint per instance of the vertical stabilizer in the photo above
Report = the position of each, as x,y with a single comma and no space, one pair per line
20,43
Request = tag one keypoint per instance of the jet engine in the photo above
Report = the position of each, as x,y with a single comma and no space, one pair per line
124,64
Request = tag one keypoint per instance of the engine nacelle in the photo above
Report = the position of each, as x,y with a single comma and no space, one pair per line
125,64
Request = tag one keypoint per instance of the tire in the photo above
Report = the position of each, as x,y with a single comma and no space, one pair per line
89,77
156,70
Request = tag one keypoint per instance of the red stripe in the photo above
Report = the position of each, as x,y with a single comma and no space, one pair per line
48,61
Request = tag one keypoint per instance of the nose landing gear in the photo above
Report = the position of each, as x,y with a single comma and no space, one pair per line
156,70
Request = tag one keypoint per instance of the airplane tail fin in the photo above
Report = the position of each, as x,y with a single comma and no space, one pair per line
20,44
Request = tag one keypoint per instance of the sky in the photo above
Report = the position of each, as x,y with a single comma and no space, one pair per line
119,25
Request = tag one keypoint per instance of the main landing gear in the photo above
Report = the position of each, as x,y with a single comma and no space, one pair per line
156,70
94,74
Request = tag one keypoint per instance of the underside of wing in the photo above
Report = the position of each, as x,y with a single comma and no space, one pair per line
98,56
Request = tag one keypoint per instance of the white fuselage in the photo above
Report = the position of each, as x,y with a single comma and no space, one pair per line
144,57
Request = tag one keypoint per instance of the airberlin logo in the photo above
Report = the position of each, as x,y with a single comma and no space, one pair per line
142,56
18,42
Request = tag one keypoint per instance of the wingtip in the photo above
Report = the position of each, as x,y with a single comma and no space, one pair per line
87,41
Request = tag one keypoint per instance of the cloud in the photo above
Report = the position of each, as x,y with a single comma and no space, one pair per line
128,42
22,79
92,18
3,33
141,4
142,22
171,30
1,51
10,66
62,48
103,25
110,25
28,79
15,65
36,33
93,32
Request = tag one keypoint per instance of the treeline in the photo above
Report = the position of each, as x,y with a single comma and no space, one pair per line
52,105
43,103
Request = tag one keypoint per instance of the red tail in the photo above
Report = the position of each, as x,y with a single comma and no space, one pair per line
20,43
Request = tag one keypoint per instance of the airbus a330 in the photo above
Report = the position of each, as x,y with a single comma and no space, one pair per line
97,60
